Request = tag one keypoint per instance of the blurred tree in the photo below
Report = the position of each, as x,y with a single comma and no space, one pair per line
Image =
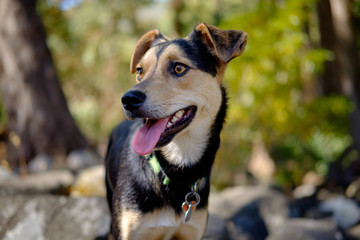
39,121
342,74
92,44
275,97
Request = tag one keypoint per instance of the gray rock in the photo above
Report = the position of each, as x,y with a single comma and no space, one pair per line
50,217
216,229
6,174
45,182
82,159
307,229
90,182
248,224
354,231
305,190
345,212
40,163
271,204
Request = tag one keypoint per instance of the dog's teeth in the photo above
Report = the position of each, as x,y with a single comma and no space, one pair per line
174,119
180,113
169,124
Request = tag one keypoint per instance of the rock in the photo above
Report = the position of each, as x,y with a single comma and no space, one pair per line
52,217
6,174
216,229
304,202
353,190
307,229
90,182
248,224
40,163
305,190
233,204
355,231
56,181
84,158
312,178
83,218
345,212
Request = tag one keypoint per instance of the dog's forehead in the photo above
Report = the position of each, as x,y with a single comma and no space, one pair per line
171,47
196,52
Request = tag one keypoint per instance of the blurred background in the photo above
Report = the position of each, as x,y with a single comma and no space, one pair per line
294,95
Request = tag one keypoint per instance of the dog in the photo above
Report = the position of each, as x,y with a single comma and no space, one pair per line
159,161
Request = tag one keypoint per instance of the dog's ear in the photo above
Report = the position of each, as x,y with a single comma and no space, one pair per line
225,44
143,45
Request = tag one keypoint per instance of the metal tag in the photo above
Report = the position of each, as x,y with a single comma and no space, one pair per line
189,206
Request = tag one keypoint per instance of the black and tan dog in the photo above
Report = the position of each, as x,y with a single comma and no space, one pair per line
158,166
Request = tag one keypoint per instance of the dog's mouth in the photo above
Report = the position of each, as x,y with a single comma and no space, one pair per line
159,132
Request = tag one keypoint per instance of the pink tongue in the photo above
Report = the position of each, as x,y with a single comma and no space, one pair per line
146,137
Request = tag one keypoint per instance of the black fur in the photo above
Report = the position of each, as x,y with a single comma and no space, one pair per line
196,51
137,189
131,182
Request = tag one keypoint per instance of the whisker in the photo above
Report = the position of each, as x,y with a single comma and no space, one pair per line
208,111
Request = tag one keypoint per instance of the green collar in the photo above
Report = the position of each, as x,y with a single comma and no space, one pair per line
155,165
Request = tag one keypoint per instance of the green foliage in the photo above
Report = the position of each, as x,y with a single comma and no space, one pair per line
274,95
92,45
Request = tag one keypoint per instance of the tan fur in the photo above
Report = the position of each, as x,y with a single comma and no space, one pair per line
129,223
162,224
166,94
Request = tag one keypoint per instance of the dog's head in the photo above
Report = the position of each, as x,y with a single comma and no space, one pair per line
178,88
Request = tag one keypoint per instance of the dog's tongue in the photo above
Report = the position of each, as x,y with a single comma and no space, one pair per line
146,137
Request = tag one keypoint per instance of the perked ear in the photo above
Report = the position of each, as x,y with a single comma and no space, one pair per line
225,44
143,45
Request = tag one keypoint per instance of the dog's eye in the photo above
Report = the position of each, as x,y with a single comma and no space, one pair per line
180,69
139,73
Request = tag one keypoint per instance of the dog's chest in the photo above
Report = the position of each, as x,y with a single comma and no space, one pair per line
162,224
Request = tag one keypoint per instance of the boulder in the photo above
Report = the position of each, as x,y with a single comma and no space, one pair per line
248,223
6,174
53,217
216,229
40,163
90,182
345,212
56,181
83,158
233,204
307,229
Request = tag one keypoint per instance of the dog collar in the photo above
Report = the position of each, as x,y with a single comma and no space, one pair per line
192,198
155,165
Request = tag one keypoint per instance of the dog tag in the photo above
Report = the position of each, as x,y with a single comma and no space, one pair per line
189,206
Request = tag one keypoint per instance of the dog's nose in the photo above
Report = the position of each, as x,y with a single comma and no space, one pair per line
132,100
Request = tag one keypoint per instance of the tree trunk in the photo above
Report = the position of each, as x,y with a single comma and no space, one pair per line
39,121
178,7
346,52
330,78
342,75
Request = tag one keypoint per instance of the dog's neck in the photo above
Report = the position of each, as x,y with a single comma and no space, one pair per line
189,148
